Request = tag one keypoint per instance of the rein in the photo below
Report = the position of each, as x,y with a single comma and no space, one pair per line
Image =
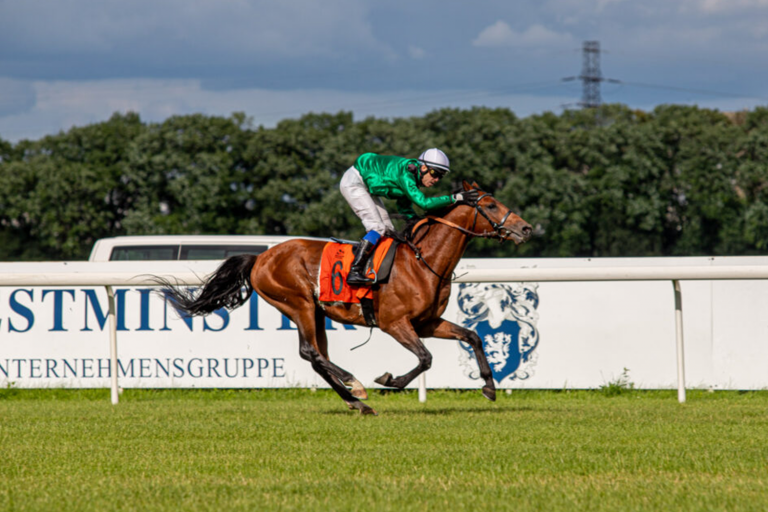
498,229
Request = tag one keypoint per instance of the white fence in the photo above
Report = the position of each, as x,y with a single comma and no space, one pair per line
21,321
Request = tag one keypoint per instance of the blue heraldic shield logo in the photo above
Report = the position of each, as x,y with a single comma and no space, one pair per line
504,316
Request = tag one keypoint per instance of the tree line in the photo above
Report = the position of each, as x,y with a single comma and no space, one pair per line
614,181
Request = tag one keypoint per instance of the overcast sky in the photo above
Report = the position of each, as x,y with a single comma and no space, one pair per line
75,62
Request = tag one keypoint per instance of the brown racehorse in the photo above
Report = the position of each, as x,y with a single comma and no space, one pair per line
408,307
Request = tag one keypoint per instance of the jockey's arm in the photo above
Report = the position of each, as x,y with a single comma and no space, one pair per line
417,197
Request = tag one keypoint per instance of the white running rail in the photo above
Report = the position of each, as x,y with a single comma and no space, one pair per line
110,274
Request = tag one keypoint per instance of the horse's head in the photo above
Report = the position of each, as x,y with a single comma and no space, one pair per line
495,220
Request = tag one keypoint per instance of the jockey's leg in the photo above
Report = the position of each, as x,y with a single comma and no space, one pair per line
375,219
383,214
356,276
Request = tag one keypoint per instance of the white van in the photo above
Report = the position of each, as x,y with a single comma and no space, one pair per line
183,247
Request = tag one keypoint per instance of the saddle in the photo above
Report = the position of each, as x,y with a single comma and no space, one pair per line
336,262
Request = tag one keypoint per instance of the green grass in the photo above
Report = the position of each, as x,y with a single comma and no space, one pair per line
294,449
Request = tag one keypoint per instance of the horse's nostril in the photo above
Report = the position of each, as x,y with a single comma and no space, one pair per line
527,230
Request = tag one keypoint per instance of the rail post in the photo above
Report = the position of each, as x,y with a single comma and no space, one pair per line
113,344
679,337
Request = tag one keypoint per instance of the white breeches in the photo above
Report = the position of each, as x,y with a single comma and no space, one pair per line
370,209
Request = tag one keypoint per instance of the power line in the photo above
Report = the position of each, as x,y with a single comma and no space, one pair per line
691,90
432,98
591,77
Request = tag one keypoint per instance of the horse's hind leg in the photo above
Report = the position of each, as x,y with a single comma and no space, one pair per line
319,364
403,332
358,391
305,321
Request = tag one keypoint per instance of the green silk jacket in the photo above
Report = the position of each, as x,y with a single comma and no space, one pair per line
388,176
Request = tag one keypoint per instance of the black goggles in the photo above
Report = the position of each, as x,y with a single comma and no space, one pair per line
436,173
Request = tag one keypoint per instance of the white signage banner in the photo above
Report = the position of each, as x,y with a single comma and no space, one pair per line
536,335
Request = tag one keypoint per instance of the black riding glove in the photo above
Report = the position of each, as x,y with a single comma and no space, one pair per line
468,196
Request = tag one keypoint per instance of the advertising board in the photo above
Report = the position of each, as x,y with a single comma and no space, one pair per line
537,335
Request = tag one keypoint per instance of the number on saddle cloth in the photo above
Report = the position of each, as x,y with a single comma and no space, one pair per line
334,267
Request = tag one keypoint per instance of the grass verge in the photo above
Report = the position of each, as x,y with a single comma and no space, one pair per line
297,449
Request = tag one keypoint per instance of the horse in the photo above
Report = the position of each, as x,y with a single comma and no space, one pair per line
408,306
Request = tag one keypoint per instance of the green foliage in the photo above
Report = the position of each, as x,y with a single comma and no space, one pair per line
609,182
185,176
60,194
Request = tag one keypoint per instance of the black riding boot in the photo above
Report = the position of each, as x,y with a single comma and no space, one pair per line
356,275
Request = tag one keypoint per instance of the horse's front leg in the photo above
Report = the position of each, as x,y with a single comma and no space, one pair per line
440,328
404,333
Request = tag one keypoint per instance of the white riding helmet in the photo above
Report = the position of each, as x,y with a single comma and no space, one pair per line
435,159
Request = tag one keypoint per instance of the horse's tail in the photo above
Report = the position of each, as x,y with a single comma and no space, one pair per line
229,287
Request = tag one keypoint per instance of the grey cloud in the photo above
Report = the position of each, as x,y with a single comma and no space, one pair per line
182,33
352,47
66,104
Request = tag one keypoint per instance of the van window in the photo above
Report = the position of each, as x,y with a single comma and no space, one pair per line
218,252
144,252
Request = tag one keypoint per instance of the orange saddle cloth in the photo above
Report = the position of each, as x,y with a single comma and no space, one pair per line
334,267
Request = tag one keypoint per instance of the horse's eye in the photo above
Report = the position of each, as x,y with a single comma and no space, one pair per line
491,206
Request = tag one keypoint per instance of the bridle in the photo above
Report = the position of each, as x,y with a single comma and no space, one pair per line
499,231
498,228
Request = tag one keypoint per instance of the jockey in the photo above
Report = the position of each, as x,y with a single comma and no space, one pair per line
374,176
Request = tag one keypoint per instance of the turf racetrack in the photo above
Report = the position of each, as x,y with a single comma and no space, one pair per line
294,449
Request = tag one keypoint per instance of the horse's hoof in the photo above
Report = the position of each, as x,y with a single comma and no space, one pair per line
384,380
489,393
357,390
360,406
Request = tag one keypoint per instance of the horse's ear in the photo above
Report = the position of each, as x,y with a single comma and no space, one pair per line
466,184
475,185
